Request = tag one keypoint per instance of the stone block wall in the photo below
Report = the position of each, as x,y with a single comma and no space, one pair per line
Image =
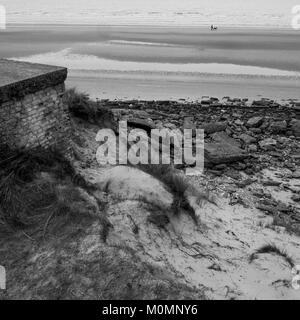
33,116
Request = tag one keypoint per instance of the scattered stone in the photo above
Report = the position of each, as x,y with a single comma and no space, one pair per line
296,175
238,122
245,183
170,126
188,123
271,183
217,153
141,114
247,139
252,148
222,137
220,166
295,127
141,124
268,144
213,127
256,130
278,126
255,122
205,101
296,198
266,208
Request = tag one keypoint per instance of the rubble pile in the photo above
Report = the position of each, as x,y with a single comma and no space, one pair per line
243,141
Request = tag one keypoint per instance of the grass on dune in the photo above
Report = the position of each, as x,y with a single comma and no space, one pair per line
272,249
39,191
178,185
81,106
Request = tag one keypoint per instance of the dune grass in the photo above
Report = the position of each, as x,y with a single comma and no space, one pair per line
178,185
39,191
272,248
81,106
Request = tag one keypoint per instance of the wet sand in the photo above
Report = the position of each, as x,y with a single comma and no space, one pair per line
97,54
128,86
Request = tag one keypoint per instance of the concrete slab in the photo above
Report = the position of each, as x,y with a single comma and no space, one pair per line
14,71
20,78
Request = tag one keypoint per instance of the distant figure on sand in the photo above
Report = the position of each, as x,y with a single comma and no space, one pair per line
212,28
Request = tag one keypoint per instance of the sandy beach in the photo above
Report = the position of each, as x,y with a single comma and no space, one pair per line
145,62
149,150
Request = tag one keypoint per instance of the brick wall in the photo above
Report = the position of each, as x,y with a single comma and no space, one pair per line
38,119
32,112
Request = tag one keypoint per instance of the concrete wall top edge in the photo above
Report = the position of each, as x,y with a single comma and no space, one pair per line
18,79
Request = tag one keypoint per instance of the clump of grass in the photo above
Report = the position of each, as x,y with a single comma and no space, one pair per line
272,248
35,201
81,106
24,164
288,221
177,184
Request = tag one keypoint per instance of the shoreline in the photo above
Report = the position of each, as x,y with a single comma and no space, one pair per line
129,86
154,26
170,52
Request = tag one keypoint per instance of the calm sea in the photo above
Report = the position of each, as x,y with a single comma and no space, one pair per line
251,13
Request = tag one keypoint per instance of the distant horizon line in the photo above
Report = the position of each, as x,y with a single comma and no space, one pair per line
224,26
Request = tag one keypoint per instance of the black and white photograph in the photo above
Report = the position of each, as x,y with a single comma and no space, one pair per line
149,151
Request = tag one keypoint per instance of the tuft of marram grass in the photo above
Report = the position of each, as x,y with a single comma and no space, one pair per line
81,106
177,184
272,248
41,204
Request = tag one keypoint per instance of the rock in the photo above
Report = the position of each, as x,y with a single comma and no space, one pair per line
247,139
217,153
205,101
268,144
255,122
283,140
296,198
222,137
278,126
271,183
295,127
240,166
252,148
238,122
245,183
188,123
213,127
255,130
220,166
296,175
267,208
170,126
261,103
141,124
141,114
